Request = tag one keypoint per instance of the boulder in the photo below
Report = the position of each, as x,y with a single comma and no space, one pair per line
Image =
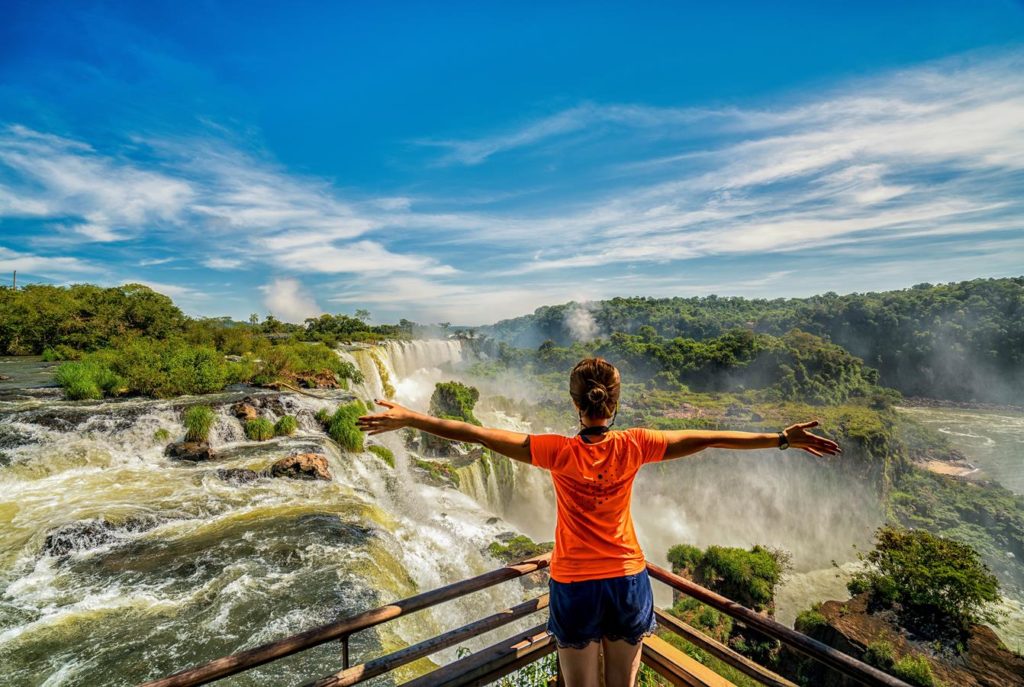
244,411
190,450
302,466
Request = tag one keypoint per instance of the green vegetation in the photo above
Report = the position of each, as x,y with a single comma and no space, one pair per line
517,548
809,620
87,379
880,654
916,670
173,367
382,371
81,317
384,453
987,517
747,577
198,422
341,426
162,435
260,429
455,401
60,352
451,401
286,426
960,341
439,472
934,584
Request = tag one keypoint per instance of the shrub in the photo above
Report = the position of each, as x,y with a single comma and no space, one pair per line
300,363
879,653
198,422
323,416
384,453
341,426
60,352
260,429
747,577
809,620
87,379
162,435
932,582
286,426
916,670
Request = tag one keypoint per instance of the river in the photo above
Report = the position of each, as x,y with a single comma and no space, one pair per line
992,440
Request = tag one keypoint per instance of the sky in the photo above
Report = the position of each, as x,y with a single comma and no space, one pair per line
467,162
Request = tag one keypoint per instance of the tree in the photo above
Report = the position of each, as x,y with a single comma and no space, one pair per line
932,582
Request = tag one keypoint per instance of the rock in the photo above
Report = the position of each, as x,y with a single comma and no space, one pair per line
244,411
850,627
493,520
302,466
77,536
89,534
238,474
190,450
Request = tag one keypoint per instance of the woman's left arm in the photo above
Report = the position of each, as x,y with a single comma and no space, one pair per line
515,445
689,441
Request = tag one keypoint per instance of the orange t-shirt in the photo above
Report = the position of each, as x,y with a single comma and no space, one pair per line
594,537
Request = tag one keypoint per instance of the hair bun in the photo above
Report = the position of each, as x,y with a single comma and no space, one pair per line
597,394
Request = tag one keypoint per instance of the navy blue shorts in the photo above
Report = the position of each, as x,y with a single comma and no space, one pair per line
613,608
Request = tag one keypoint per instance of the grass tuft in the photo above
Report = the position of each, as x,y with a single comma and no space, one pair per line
260,429
286,426
198,422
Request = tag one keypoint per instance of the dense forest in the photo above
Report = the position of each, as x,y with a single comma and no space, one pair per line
961,341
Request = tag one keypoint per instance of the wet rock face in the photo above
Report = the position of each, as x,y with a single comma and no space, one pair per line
89,534
238,475
77,536
302,466
190,450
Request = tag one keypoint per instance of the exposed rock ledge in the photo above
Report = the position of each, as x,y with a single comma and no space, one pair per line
985,662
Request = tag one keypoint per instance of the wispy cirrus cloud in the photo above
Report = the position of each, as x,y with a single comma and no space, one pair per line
922,159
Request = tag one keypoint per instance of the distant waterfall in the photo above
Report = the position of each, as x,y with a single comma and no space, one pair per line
405,371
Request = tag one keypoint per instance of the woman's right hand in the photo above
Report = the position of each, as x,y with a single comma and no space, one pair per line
395,417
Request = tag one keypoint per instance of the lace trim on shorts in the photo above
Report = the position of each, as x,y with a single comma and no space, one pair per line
651,629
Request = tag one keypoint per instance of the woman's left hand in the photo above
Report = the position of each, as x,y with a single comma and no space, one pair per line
395,417
798,437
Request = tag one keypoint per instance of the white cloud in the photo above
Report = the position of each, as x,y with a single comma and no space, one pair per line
361,257
289,301
223,263
28,263
50,176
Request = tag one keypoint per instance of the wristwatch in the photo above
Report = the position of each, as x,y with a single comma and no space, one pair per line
783,441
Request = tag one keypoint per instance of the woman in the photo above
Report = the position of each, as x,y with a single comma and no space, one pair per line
600,595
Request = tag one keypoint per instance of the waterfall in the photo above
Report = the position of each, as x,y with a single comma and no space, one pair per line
404,371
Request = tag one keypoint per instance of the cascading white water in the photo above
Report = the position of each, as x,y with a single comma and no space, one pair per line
219,565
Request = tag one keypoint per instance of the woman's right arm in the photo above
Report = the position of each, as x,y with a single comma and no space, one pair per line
686,442
515,445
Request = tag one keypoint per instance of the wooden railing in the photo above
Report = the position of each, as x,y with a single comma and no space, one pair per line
508,655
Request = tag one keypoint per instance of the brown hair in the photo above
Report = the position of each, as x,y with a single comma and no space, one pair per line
594,386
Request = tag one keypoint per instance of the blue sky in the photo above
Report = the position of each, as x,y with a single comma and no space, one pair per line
466,162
